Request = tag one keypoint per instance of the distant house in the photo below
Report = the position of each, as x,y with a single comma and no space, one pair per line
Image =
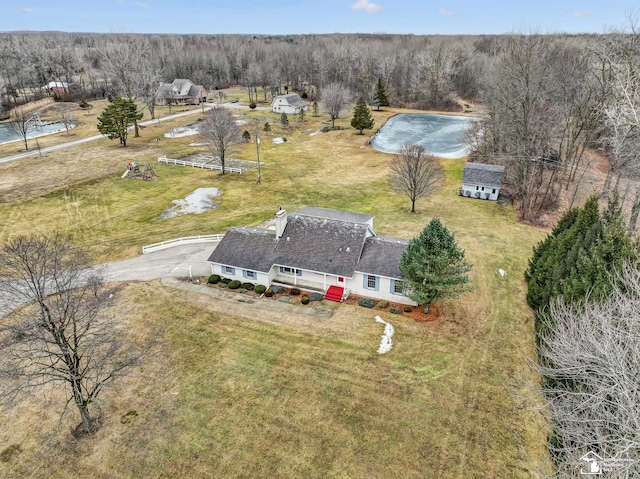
181,92
60,87
291,103
482,181
336,252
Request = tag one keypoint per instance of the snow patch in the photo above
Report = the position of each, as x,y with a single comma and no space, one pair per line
278,140
181,131
385,339
197,202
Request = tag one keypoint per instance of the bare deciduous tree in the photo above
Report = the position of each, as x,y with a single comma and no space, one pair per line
59,334
335,98
21,124
65,115
221,132
414,173
590,360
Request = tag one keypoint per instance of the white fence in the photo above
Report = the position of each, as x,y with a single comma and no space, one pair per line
198,164
180,241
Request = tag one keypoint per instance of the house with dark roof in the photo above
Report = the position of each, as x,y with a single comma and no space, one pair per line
181,92
291,103
482,181
336,252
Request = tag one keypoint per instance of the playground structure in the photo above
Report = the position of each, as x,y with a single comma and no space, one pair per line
133,171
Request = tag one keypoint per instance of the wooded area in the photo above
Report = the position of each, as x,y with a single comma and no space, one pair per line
549,102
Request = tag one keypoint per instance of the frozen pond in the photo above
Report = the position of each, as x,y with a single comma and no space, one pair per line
440,135
6,135
197,202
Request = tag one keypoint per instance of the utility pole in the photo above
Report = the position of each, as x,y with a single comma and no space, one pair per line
258,155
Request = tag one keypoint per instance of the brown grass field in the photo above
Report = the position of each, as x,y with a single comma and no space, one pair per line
236,390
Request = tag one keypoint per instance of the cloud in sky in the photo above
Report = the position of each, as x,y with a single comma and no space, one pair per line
367,6
445,13
142,4
27,9
579,13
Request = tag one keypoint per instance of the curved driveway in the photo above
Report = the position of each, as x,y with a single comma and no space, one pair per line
176,262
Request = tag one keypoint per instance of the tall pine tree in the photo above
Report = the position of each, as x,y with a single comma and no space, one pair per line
434,266
380,96
580,256
115,119
362,116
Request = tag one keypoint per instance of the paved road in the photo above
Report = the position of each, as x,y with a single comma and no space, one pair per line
27,154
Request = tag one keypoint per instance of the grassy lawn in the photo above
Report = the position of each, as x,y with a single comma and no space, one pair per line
236,390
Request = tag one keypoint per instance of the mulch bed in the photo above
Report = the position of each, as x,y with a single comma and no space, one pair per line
417,314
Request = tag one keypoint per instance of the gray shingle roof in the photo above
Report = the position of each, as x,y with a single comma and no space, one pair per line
347,216
246,248
381,256
293,99
321,244
483,175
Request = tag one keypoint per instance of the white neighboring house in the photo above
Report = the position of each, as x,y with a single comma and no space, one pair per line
291,103
336,252
482,181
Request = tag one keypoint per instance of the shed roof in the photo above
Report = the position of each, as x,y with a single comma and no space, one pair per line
483,174
293,99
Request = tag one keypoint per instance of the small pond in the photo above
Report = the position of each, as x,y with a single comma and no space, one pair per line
197,202
6,135
441,135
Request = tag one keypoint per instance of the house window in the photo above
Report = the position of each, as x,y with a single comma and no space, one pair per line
340,279
287,270
493,191
250,274
371,282
397,286
483,188
477,188
228,270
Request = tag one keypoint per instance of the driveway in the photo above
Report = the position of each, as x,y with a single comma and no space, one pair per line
177,262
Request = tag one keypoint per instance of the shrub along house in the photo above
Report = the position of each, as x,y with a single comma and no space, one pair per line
336,252
181,92
289,104
482,181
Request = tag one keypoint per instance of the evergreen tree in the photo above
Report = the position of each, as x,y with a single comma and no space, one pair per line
267,127
380,96
316,108
284,119
434,266
116,119
579,256
362,116
301,114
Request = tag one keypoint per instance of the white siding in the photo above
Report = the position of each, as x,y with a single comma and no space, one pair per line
471,190
357,286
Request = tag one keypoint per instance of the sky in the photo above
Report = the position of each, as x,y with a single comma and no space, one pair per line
275,17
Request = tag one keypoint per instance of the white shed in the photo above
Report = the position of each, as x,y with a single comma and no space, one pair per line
482,181
291,103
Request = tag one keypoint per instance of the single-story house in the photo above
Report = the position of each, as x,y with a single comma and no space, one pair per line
291,103
181,92
480,180
317,249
